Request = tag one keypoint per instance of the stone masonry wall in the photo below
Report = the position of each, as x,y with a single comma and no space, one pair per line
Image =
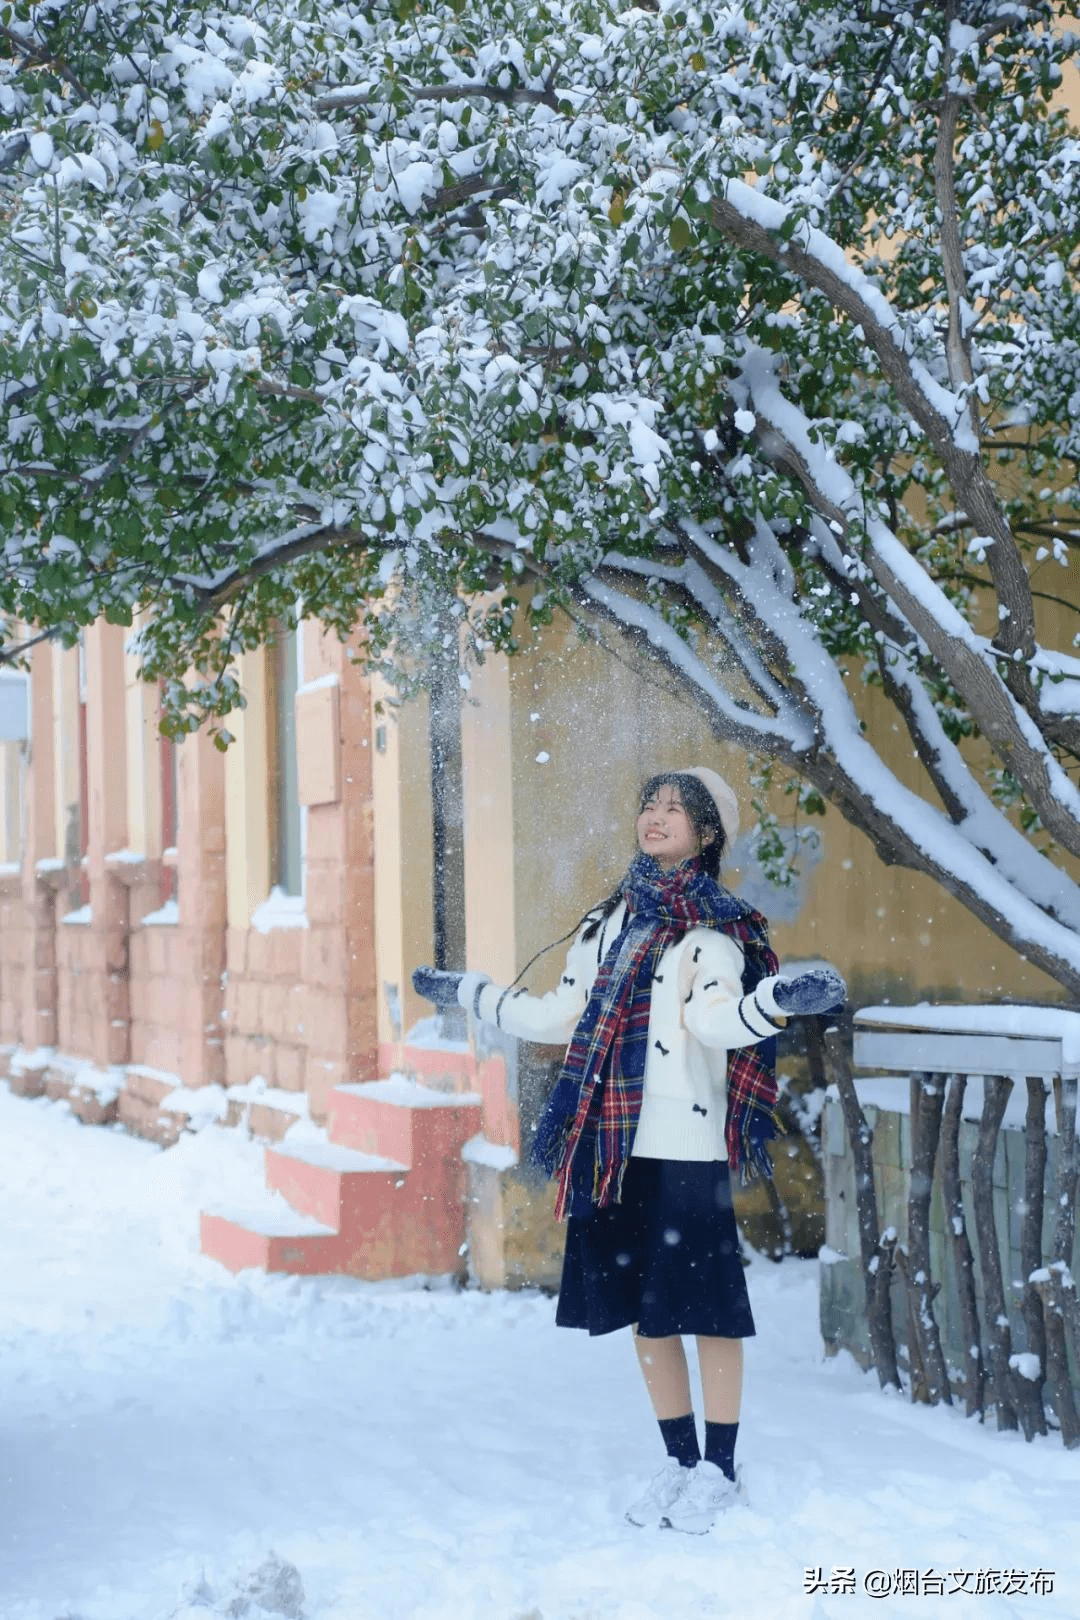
12,958
287,991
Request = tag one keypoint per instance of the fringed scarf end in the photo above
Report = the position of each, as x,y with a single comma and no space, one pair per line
562,1197
608,1184
754,1162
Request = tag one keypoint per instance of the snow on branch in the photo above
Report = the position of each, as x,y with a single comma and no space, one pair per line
1010,730
732,718
755,221
689,576
360,95
762,224
832,752
983,824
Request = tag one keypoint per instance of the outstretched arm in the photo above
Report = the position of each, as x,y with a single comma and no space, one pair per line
549,1020
716,1012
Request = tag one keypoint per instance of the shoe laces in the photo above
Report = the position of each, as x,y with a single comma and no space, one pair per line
708,1485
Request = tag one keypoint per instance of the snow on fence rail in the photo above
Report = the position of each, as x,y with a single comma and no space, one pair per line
951,1189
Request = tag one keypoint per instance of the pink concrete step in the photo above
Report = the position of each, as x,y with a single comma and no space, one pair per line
393,1221
332,1184
454,1068
384,1197
403,1120
445,1065
250,1239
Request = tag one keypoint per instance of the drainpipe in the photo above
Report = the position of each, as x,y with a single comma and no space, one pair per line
447,805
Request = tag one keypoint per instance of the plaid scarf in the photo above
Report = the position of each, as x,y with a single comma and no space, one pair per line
587,1129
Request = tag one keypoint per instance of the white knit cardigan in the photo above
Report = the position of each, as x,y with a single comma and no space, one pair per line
697,1015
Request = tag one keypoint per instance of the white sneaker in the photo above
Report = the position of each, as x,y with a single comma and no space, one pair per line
663,1491
706,1495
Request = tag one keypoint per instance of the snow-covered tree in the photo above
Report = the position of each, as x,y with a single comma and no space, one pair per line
751,329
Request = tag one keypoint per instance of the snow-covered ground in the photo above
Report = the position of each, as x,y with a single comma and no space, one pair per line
433,1455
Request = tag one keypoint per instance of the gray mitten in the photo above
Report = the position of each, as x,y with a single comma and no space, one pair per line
437,985
818,991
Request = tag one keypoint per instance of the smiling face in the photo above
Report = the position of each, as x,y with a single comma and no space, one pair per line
665,831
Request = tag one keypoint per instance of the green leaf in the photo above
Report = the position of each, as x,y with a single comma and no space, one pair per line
680,234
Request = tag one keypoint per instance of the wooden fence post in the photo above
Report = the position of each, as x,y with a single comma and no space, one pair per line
1047,1283
877,1252
1031,1250
998,1335
927,1098
1054,1284
963,1259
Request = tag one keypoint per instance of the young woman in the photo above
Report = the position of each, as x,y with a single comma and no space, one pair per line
670,1001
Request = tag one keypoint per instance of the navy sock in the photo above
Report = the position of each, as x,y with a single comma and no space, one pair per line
720,1446
680,1438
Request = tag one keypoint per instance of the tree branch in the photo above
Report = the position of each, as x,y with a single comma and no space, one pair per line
212,595
740,217
824,745
45,58
517,95
947,635
11,655
957,347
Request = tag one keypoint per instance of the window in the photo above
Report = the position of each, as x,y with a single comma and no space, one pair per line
14,733
11,803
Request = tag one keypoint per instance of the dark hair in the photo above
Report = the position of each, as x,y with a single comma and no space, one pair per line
700,807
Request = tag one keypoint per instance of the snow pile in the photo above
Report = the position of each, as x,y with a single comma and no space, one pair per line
180,1444
1030,1022
272,1590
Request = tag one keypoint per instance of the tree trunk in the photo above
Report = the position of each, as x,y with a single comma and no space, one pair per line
963,1259
876,1251
1031,1250
927,1097
998,1335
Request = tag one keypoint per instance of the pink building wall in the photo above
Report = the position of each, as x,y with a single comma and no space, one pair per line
185,998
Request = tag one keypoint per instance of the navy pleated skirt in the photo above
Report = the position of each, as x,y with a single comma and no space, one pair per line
665,1257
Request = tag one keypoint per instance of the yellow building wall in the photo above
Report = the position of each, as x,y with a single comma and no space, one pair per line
401,789
490,791
587,732
563,739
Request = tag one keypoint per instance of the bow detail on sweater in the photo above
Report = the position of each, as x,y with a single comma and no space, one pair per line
586,1132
